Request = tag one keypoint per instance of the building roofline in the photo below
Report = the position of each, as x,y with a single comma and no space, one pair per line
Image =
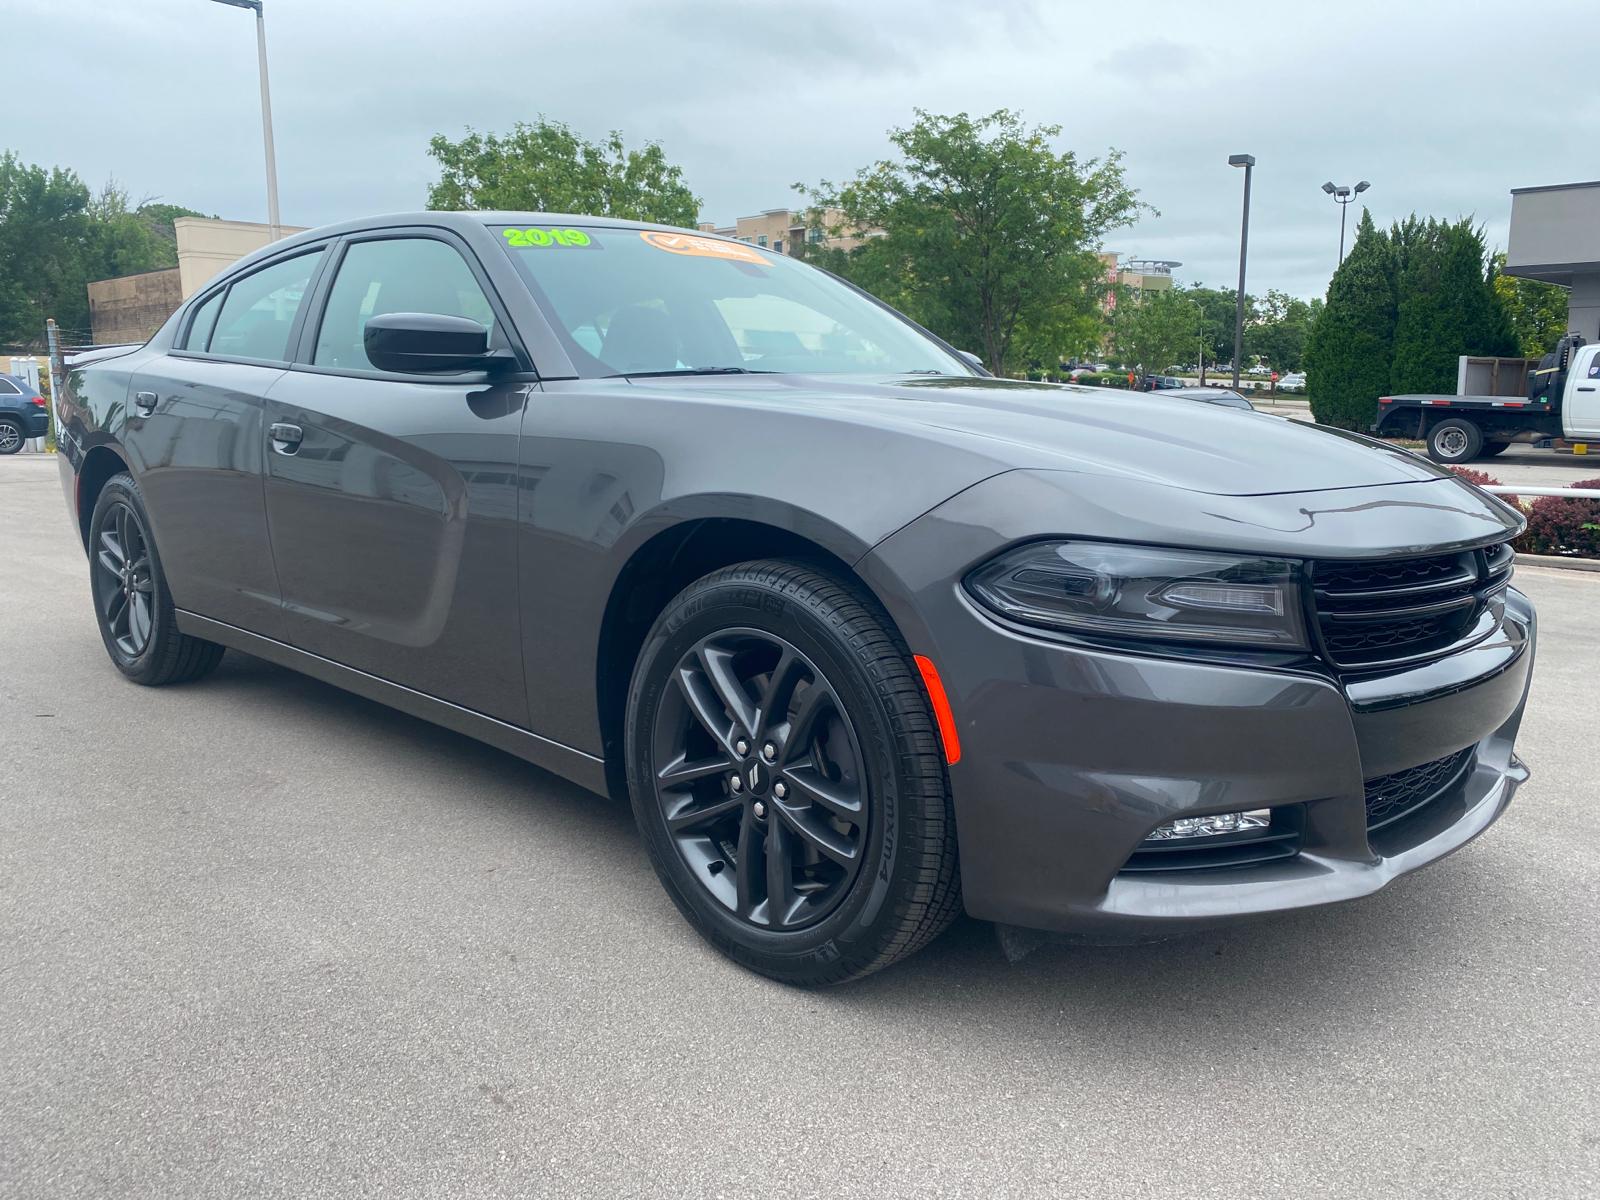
1555,187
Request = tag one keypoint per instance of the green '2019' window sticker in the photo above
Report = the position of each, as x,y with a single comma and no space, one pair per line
546,237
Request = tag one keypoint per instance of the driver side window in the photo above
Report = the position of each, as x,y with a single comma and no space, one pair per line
394,275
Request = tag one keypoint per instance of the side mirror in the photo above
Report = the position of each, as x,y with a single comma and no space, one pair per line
972,360
429,344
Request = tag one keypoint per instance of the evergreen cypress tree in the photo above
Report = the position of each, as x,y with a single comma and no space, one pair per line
1447,306
1424,351
1351,347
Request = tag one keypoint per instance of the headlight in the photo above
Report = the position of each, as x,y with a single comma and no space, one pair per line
1148,593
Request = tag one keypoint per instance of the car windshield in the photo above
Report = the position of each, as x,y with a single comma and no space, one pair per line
651,302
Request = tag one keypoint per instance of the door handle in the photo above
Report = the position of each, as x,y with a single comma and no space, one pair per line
145,402
285,437
1586,389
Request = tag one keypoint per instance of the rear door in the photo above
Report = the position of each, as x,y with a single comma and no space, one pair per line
196,440
1581,408
391,499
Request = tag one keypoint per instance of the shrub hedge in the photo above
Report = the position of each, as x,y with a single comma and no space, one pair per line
1557,525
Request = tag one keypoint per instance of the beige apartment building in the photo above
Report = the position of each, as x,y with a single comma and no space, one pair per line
782,230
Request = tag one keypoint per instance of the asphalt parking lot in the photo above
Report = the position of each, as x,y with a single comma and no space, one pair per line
259,937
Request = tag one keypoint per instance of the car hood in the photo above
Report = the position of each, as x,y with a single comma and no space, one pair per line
1096,431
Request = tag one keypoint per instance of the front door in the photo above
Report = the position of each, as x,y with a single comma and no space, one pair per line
391,500
1581,411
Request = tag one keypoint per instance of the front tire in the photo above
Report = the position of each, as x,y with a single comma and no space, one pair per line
786,775
1454,441
132,604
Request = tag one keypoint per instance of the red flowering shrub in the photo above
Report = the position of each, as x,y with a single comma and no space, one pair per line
1484,479
1558,525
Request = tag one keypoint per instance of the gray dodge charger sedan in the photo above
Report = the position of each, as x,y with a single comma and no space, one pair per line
866,635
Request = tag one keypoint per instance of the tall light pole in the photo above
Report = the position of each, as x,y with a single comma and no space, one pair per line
1343,196
1248,162
266,113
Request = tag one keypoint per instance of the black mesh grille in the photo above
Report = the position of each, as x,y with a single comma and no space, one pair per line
1374,613
1390,797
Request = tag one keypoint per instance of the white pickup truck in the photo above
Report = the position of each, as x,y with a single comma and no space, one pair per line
1563,404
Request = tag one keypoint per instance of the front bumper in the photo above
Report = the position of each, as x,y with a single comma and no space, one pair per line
1071,756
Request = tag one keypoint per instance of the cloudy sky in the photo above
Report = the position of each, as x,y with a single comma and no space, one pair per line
1444,105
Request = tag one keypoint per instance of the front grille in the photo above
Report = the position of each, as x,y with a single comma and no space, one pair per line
1377,613
1393,797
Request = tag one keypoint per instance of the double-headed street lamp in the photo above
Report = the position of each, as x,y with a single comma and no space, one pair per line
1343,196
266,112
1248,162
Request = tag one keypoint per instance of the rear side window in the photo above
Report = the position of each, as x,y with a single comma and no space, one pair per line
260,309
394,275
205,318
7,388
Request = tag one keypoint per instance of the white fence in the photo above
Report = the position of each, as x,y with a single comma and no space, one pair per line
1506,489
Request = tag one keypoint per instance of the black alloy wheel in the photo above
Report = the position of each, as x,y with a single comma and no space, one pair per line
762,785
132,603
787,776
123,585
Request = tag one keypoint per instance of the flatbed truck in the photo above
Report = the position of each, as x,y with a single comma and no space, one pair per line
1562,404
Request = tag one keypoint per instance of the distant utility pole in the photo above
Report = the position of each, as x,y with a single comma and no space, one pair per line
1248,162
266,112
1342,196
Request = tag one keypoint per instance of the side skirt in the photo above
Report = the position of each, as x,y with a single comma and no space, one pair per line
581,768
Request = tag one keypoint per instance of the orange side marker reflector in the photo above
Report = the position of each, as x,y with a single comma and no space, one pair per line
941,709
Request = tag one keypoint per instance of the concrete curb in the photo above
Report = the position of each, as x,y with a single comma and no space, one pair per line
1558,562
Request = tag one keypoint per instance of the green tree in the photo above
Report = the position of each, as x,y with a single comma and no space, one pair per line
1351,347
43,221
56,237
1155,329
546,167
1537,311
159,216
1216,322
1446,304
983,232
1276,329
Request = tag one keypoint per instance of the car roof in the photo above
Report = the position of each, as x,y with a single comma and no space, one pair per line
1200,393
456,220
449,219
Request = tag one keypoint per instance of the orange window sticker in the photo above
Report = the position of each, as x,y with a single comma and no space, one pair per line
700,247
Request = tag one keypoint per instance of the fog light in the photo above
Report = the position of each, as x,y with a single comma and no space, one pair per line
1193,827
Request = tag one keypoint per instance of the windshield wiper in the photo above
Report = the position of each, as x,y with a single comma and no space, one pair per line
687,371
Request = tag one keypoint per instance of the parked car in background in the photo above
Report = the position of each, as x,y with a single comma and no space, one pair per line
1222,397
1260,369
23,414
1294,381
1156,383
866,634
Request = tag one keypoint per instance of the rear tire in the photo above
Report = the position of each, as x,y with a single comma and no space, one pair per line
1490,449
132,604
1454,441
12,438
834,855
